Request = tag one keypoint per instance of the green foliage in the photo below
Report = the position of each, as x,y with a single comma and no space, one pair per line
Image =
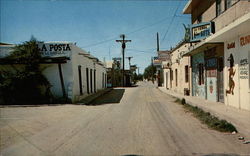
149,72
137,78
208,119
25,85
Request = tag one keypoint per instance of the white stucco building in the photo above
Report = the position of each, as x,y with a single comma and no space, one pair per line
72,72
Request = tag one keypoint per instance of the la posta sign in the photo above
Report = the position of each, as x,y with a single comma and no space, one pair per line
54,49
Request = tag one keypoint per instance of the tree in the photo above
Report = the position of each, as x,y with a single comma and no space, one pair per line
27,84
149,72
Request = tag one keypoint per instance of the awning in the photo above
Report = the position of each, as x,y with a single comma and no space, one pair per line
45,60
235,29
201,47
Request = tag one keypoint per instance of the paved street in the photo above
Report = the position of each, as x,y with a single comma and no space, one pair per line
138,120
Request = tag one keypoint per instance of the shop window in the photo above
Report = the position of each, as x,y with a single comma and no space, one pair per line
186,74
176,77
218,7
228,4
201,73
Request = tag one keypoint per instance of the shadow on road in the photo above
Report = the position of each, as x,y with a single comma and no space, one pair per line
112,97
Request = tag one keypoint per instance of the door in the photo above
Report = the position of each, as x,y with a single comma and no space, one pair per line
80,79
87,79
91,81
220,80
166,80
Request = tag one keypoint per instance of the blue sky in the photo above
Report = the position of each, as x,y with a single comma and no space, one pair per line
95,25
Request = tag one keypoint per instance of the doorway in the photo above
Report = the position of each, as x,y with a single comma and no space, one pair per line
220,79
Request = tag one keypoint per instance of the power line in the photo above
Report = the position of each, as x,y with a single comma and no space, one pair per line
137,30
170,23
143,51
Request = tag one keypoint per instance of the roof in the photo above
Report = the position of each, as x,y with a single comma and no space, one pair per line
189,6
1,43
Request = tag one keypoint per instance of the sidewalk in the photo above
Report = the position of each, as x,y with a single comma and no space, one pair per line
240,118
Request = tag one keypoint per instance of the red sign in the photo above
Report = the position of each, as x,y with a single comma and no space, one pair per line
245,40
231,45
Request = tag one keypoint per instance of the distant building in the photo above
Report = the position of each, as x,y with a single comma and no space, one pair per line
220,51
81,73
157,62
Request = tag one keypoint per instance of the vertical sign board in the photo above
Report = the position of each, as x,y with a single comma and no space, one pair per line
201,31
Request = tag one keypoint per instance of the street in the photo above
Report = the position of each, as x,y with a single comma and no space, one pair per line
127,121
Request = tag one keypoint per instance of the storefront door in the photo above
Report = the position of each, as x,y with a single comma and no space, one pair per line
220,80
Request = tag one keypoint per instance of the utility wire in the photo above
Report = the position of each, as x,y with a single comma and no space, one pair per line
170,23
137,30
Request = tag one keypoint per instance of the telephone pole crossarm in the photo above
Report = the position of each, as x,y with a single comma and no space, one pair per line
123,41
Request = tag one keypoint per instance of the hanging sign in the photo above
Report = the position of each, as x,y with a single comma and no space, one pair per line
201,31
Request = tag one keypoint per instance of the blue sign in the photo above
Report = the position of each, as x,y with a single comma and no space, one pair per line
201,31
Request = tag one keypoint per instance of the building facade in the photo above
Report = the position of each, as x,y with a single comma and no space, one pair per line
177,71
71,71
220,50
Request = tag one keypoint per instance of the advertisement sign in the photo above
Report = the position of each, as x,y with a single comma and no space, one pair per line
201,31
54,49
156,61
164,55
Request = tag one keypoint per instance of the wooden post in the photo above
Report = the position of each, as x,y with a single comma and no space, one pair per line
61,79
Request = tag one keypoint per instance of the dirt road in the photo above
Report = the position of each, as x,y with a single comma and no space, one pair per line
139,120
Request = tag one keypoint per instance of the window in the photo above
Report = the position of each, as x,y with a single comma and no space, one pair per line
218,7
228,4
186,74
176,77
201,73
80,79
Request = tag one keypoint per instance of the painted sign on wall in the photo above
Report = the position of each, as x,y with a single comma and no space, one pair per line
54,49
245,40
243,68
201,31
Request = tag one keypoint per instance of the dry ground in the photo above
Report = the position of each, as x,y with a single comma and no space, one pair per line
139,120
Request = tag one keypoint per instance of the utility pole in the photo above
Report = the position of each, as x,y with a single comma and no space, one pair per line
138,70
129,58
123,41
158,44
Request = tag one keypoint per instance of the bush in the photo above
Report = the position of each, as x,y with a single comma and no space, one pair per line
208,119
26,85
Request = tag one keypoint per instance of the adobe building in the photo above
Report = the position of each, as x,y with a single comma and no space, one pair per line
71,71
177,71
220,37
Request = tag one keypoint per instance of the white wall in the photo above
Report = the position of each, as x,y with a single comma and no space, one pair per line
241,96
79,58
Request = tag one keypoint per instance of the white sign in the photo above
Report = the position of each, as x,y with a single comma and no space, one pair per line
54,49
